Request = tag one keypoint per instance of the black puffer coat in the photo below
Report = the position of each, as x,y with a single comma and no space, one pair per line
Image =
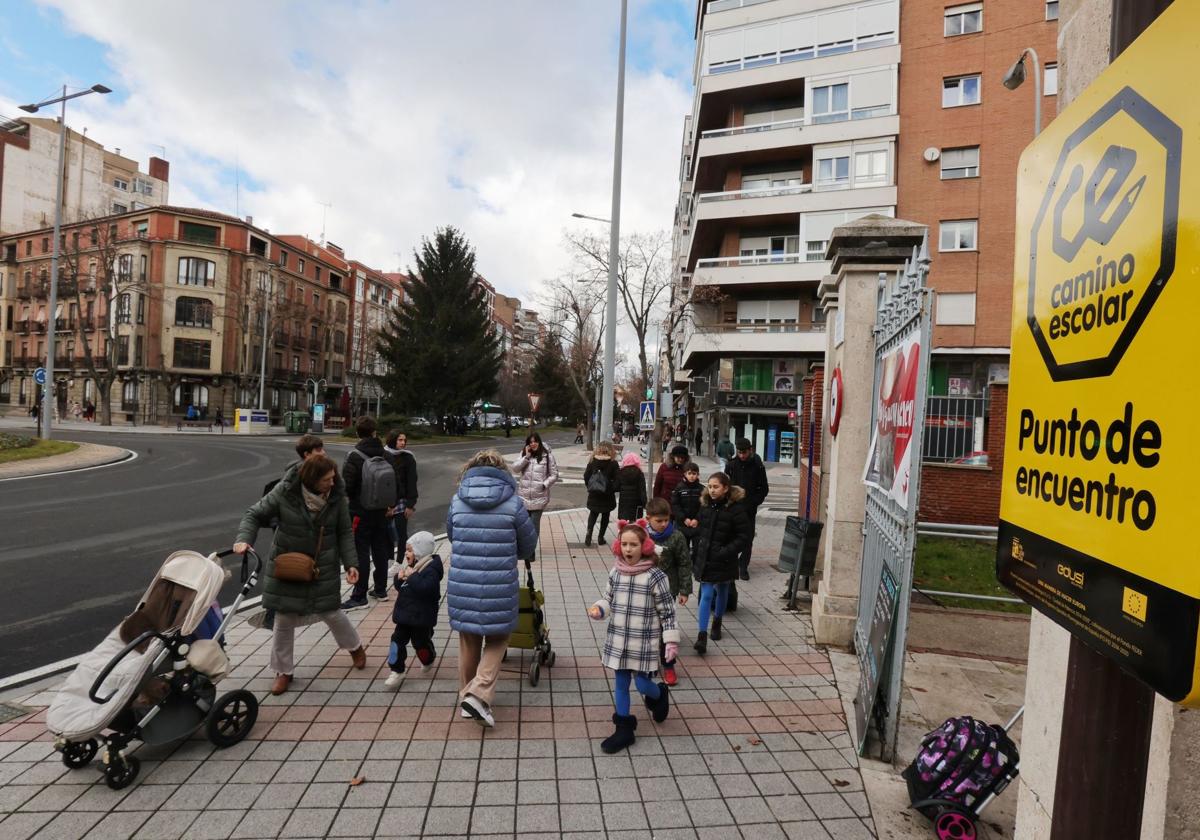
417,597
631,484
602,502
297,531
723,533
685,503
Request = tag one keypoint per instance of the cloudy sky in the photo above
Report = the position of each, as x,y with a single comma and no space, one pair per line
492,116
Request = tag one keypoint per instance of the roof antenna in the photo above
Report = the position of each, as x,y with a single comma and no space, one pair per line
324,214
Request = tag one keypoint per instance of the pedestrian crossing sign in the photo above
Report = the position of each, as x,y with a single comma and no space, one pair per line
646,415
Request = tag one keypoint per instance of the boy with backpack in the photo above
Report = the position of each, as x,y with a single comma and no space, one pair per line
372,486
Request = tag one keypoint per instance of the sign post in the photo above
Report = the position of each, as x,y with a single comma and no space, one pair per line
534,401
1096,515
646,415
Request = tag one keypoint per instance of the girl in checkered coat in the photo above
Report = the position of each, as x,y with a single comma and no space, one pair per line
641,612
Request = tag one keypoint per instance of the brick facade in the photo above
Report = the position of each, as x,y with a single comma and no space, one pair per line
969,495
810,467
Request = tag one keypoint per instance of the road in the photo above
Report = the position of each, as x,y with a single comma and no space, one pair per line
79,549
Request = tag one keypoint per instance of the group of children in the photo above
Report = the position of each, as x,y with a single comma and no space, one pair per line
697,535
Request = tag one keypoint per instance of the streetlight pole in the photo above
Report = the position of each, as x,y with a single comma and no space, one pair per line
1016,75
49,390
266,334
614,244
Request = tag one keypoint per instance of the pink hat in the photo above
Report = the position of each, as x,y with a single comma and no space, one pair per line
632,459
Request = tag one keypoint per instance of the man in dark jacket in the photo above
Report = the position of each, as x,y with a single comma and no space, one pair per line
372,538
746,470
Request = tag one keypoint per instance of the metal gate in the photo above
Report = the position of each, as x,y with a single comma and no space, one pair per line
893,478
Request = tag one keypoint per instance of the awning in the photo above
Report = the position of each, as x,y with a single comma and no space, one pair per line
41,316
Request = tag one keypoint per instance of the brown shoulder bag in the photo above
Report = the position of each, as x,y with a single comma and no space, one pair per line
298,567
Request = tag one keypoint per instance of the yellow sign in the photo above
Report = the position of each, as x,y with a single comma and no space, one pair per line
1099,524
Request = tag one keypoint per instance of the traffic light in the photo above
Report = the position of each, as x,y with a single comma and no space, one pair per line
486,406
791,417
649,393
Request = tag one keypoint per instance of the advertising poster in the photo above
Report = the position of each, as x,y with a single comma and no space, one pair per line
889,465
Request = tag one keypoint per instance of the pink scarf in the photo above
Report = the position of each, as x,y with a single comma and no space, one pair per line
643,565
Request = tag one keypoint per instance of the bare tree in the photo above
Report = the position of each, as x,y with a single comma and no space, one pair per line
643,278
93,269
576,306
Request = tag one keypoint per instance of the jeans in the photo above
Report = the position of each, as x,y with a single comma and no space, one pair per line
422,642
374,547
536,517
713,597
284,641
645,686
744,557
603,516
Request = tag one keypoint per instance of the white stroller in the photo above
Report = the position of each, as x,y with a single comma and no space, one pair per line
153,678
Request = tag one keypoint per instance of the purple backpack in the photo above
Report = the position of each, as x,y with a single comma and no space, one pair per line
959,762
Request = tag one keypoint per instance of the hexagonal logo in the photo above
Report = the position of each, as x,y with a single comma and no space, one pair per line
1102,246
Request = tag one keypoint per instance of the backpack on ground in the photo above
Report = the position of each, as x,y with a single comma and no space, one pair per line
959,762
377,490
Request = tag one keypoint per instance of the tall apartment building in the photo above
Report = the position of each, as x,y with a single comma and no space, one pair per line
376,296
96,181
189,299
961,135
793,131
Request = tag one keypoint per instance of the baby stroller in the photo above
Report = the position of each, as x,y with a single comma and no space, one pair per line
960,768
153,678
531,632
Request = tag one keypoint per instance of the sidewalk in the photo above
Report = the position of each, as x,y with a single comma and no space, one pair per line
87,456
756,745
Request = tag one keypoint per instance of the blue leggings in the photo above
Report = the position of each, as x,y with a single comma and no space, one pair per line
710,593
645,686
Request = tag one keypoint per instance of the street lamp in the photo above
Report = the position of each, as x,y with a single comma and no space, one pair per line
48,390
1016,75
614,246
593,218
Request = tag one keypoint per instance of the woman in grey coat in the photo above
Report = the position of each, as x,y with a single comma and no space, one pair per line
489,529
536,472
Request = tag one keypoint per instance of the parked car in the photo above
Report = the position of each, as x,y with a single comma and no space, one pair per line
418,421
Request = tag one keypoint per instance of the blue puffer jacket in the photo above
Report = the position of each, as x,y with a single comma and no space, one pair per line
489,529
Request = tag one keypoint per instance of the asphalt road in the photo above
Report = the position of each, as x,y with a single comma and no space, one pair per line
79,549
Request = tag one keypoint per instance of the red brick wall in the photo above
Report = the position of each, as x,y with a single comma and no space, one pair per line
969,495
812,405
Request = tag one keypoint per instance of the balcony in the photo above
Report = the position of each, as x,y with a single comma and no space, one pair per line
741,339
791,65
298,342
23,326
315,344
27,361
281,338
37,326
773,270
26,291
759,139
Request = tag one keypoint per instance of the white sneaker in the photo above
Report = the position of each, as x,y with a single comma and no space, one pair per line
467,714
479,710
393,680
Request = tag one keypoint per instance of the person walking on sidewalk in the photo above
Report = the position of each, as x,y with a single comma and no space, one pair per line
600,478
536,472
310,506
579,433
685,503
631,488
725,452
699,441
489,529
670,472
418,585
674,557
640,613
372,482
406,473
748,472
723,533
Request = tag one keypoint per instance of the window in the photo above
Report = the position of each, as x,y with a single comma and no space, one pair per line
831,103
833,172
1051,9
283,258
143,185
870,167
963,20
753,375
295,364
204,234
194,271
138,348
129,395
300,264
955,309
141,309
29,246
125,268
120,208
1050,88
190,353
316,302
317,273
122,349
960,90
274,398
960,163
312,365
767,312
193,312
121,184
45,244
814,249
958,235
144,263
123,310
189,393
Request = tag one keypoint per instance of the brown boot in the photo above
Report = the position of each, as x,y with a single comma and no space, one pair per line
359,656
282,681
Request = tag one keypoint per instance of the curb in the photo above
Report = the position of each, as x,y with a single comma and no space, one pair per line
118,456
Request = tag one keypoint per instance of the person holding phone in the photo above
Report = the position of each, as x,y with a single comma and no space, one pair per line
536,472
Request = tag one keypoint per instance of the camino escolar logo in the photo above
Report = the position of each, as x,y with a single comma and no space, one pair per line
1102,246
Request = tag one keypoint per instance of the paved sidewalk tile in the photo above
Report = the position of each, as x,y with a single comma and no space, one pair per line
756,745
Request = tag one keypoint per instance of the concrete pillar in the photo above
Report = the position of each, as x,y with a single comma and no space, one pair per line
860,250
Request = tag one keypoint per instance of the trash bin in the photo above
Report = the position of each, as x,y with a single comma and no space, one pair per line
797,530
296,422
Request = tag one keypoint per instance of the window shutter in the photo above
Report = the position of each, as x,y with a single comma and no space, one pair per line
871,90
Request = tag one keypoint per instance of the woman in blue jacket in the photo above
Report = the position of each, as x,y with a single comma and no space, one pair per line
488,528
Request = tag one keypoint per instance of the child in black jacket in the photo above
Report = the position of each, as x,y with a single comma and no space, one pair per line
685,502
418,591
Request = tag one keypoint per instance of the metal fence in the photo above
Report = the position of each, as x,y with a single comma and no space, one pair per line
955,431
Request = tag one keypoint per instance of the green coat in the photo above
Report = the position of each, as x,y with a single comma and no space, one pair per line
298,531
676,562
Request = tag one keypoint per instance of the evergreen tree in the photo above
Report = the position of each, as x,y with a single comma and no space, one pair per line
549,378
439,348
